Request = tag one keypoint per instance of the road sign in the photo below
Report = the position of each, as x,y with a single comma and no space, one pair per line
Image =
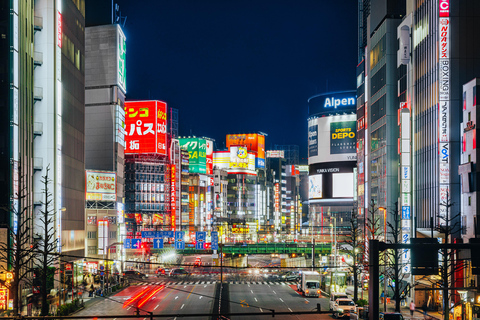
179,240
214,235
102,267
200,237
168,234
158,243
149,234
127,243
136,243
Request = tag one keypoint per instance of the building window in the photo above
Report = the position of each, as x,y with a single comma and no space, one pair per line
469,201
92,235
92,250
112,234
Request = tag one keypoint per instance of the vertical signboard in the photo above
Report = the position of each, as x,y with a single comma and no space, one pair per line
146,127
100,185
102,236
121,62
444,105
214,236
173,196
209,157
197,154
406,179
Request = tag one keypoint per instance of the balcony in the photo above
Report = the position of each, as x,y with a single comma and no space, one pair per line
37,58
38,128
38,93
37,23
37,163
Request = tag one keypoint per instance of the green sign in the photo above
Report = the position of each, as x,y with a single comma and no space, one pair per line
197,152
122,50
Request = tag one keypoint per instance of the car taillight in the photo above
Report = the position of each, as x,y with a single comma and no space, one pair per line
318,291
306,291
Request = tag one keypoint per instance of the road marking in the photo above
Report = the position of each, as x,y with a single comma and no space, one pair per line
128,308
191,292
261,310
249,286
176,297
200,297
183,305
205,286
251,291
255,299
281,299
156,307
184,287
274,291
290,310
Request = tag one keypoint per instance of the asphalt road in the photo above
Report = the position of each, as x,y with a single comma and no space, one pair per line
266,297
171,299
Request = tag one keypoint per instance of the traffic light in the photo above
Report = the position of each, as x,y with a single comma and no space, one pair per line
7,276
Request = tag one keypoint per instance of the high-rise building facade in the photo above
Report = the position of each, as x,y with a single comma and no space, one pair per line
60,110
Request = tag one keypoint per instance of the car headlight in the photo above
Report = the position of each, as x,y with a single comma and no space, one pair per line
340,310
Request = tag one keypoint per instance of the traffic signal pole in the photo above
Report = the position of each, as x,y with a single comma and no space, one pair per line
375,247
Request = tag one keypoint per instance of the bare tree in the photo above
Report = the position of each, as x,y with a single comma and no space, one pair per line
354,248
47,243
394,258
17,253
373,221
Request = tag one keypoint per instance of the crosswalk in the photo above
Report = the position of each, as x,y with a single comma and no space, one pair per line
173,283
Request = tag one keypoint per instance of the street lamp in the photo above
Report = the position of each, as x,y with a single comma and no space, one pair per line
384,258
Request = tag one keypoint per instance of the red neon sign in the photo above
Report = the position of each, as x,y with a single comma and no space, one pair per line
59,29
146,127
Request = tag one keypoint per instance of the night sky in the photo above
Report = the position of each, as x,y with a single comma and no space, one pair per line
237,66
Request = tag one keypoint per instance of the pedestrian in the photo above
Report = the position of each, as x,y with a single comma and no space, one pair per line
412,307
90,291
424,308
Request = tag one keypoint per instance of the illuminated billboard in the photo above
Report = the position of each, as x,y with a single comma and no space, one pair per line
253,142
146,127
315,187
236,161
209,156
332,139
121,62
100,185
197,152
332,103
342,185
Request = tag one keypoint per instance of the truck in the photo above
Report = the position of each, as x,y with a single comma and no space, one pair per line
309,284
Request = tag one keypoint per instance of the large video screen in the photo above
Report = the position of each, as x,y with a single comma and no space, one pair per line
342,185
332,139
315,187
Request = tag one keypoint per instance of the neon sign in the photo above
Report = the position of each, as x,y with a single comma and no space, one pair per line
334,103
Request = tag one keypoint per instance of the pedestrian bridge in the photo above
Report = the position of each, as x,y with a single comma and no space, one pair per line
265,248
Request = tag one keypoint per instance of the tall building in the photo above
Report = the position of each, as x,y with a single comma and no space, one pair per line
105,89
59,111
331,159
377,103
290,152
18,59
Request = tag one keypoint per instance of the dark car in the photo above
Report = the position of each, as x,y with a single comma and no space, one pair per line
391,316
134,274
178,273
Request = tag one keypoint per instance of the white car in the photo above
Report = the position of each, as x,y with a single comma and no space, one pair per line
343,307
334,297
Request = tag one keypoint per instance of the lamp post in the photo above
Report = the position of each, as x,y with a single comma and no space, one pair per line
384,258
334,232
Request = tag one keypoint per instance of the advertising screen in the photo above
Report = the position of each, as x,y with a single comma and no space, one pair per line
146,127
197,152
336,139
313,140
253,142
342,185
100,185
315,186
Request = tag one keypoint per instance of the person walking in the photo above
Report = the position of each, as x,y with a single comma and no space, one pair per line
412,307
